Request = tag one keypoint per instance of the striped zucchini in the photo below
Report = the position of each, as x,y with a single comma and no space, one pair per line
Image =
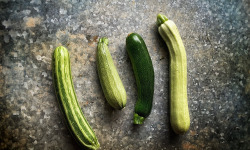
65,93
179,113
144,75
111,83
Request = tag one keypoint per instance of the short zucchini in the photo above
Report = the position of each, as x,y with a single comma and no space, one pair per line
65,93
179,113
111,83
144,75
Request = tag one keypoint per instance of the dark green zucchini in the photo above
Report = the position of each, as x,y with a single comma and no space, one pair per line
65,93
144,75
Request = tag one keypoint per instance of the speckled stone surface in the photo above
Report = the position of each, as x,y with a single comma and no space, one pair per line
216,36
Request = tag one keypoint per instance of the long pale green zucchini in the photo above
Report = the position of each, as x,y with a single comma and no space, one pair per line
65,93
179,113
111,83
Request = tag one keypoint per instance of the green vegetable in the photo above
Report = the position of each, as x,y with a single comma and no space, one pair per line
179,113
66,96
144,75
111,83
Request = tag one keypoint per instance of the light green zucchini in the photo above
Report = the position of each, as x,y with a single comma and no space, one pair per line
111,83
179,113
65,93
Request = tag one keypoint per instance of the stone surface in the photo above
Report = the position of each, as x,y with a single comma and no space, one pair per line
216,36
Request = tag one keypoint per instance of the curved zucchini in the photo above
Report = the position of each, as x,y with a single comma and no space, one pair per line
65,92
179,113
111,83
144,75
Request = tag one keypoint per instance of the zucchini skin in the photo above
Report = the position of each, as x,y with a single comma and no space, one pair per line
65,93
111,83
144,75
179,112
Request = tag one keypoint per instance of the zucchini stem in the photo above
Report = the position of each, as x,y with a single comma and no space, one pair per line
104,40
138,119
161,19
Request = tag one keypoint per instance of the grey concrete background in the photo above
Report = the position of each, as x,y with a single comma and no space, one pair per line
216,37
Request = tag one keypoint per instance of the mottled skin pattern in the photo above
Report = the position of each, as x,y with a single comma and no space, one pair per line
111,83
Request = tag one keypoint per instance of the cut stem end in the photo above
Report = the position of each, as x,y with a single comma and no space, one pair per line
138,119
161,19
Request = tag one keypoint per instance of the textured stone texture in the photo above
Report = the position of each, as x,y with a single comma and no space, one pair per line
216,36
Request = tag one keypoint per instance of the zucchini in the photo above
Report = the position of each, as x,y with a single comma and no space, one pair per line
179,113
144,75
65,93
111,83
